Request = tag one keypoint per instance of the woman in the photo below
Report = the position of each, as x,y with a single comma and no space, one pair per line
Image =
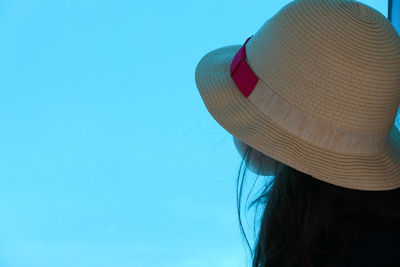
311,99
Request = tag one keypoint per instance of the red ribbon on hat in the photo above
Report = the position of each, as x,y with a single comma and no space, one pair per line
242,75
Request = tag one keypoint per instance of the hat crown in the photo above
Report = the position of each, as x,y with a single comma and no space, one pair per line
336,60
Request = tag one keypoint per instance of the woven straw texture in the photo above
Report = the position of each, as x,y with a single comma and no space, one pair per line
327,96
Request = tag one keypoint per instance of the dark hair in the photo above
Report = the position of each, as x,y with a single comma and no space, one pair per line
308,222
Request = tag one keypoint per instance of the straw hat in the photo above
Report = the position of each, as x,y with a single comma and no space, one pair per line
317,87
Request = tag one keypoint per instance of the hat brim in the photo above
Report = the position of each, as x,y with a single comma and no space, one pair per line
237,115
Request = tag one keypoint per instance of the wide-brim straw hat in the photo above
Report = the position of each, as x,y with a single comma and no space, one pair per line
317,88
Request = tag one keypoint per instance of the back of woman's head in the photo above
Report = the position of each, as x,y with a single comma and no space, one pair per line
308,222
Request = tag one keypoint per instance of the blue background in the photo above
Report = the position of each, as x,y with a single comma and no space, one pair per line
108,156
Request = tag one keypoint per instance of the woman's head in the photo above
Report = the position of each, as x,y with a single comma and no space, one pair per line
307,220
316,118
312,110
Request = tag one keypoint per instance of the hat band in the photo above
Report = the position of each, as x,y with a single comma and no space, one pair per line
296,121
241,73
319,133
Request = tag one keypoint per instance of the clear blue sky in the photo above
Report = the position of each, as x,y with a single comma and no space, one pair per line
108,156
